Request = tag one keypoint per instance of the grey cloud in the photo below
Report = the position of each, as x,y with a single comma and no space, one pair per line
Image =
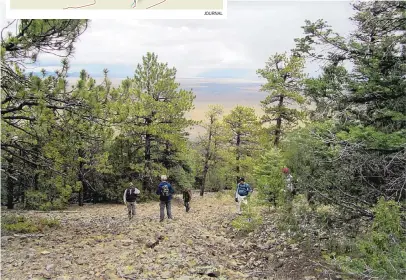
259,29
253,31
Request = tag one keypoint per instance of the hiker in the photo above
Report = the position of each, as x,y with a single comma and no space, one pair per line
289,180
187,197
165,192
241,194
130,196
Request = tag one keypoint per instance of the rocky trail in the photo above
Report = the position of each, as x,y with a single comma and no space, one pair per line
98,242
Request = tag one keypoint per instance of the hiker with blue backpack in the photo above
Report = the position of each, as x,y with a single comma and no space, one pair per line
165,192
241,194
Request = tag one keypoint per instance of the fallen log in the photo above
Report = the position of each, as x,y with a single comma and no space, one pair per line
53,211
28,235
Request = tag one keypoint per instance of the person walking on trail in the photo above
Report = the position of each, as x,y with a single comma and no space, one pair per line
130,197
289,181
187,197
165,192
241,194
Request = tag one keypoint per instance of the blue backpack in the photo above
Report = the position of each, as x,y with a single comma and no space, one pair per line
165,191
243,189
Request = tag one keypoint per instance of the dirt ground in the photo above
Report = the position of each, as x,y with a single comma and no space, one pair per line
99,242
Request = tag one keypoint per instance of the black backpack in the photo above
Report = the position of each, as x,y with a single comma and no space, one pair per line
130,195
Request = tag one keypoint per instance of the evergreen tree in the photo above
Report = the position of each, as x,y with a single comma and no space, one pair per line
284,77
208,142
362,136
153,109
29,103
245,128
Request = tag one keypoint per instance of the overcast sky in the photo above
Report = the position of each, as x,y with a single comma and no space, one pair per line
225,54
235,47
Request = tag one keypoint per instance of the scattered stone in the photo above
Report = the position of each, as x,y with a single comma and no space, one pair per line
46,275
208,270
214,273
185,278
279,253
93,246
5,239
49,267
166,274
80,262
233,263
127,242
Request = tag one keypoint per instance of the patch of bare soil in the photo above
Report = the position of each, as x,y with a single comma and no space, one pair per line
99,242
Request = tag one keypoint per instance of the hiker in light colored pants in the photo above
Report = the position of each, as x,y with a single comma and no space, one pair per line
129,197
131,209
240,199
241,194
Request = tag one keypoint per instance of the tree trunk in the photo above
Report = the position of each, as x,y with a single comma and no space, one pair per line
36,150
167,152
10,185
278,129
146,185
206,163
81,154
238,155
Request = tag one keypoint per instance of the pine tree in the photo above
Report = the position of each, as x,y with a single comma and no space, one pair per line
154,109
245,128
284,77
209,143
30,104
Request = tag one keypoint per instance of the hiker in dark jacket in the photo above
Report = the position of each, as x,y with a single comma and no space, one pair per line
130,196
165,192
187,197
241,193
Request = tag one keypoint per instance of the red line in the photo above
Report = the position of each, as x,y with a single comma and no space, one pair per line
78,7
156,4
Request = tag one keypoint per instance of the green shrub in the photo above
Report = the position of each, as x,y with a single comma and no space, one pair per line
46,206
52,223
46,200
34,199
20,224
225,195
269,180
251,216
22,227
294,215
247,223
381,251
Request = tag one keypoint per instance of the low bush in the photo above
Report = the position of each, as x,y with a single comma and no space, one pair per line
381,251
251,217
20,224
